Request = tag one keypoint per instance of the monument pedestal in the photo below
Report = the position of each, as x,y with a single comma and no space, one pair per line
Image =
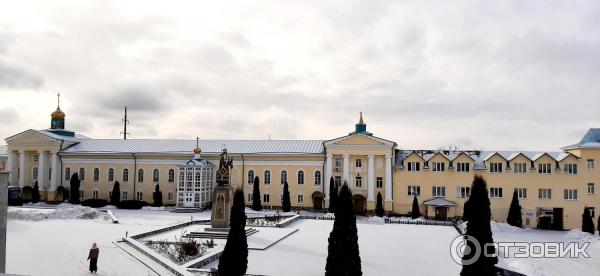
221,209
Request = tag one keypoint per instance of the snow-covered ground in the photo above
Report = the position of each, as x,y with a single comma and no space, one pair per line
59,245
548,266
56,242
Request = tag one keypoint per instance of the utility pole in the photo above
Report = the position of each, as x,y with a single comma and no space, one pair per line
125,123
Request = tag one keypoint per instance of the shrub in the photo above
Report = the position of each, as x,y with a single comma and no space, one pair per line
74,183
35,196
115,196
132,204
286,204
256,204
94,203
379,206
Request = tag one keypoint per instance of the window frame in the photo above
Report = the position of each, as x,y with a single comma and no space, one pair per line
570,194
317,178
414,189
251,174
125,177
300,177
496,192
591,188
438,191
545,193
267,177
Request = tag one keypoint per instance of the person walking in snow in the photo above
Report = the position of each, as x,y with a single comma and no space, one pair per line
93,257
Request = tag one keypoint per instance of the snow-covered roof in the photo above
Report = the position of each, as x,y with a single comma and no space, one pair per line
439,202
478,156
591,139
186,146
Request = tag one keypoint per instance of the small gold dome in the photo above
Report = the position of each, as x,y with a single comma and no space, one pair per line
197,150
58,114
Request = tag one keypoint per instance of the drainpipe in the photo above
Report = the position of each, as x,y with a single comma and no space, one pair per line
61,177
243,172
134,172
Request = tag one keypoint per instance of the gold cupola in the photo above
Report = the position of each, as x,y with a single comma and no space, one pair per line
57,114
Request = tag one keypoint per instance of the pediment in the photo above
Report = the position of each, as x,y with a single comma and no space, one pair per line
30,136
359,140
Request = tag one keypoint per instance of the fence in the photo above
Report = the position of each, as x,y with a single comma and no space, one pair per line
421,222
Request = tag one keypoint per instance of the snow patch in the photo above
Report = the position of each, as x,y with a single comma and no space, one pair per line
578,235
504,227
62,211
376,220
329,215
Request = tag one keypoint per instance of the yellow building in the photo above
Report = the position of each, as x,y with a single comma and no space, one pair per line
553,187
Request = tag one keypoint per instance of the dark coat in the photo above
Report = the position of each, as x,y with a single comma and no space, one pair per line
94,252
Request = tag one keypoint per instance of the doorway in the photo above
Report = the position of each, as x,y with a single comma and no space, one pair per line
441,213
359,204
317,198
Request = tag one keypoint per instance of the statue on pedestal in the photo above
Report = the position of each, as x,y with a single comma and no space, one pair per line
222,194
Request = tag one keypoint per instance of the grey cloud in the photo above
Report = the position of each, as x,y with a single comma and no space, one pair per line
12,76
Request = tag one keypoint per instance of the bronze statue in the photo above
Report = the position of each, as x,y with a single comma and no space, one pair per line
225,165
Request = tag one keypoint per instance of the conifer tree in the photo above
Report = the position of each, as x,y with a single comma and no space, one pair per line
479,215
333,196
35,195
157,196
115,196
343,256
587,224
74,189
514,213
256,204
379,206
416,212
286,204
234,260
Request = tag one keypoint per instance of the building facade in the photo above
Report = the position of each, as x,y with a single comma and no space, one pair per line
553,187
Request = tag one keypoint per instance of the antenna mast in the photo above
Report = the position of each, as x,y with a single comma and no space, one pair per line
125,123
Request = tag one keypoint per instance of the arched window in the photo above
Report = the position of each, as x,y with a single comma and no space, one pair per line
155,175
67,173
317,178
140,175
49,173
35,173
198,178
267,177
171,175
111,174
300,177
81,174
250,176
125,175
96,174
283,177
181,179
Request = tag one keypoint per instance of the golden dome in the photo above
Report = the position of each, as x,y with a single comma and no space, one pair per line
197,150
58,114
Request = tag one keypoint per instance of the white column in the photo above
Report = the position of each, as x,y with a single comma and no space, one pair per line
346,174
55,174
3,206
328,173
42,171
11,167
22,168
371,176
388,178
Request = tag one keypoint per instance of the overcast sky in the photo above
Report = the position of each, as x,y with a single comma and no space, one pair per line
489,75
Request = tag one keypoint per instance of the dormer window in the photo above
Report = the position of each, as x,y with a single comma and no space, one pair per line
545,168
571,169
439,166
463,167
495,167
414,166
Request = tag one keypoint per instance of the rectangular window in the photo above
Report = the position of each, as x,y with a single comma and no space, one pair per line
358,163
81,193
590,189
124,196
438,191
545,193
463,192
463,167
590,164
266,198
544,168
338,165
337,180
414,166
139,196
170,196
571,194
495,192
300,198
519,167
521,193
495,167
250,198
95,194
358,181
379,182
414,190
592,211
439,166
571,169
